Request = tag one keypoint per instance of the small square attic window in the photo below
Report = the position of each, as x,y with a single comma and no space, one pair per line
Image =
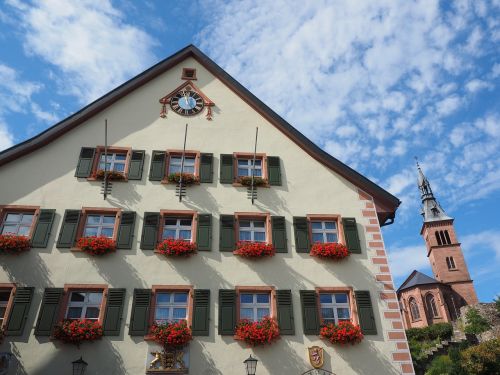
189,73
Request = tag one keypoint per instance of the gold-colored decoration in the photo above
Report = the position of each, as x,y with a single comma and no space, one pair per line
316,357
168,361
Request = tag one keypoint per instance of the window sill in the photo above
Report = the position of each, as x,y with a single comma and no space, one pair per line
125,179
167,182
237,184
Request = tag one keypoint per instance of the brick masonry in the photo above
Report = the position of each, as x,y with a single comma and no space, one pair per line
376,252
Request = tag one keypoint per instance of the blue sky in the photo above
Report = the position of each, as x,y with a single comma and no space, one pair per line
373,83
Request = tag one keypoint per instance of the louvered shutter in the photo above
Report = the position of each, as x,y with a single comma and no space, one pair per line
150,228
139,318
226,169
365,312
227,311
274,170
126,230
85,162
227,236
49,311
204,232
301,230
285,312
206,167
114,311
157,169
19,312
351,235
67,234
310,315
279,234
136,165
43,228
201,312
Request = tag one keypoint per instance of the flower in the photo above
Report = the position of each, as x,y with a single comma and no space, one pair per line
112,175
247,181
251,249
187,178
343,333
177,247
171,334
262,332
77,331
96,245
13,244
333,250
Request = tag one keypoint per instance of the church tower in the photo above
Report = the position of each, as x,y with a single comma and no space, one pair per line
443,249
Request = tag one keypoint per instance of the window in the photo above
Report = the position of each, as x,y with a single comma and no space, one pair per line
245,167
189,73
175,164
447,236
431,305
450,262
324,231
252,230
84,305
415,313
443,237
255,306
171,307
99,225
17,223
115,161
177,228
4,302
335,307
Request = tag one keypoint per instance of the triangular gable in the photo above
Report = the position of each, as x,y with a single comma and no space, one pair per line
385,202
417,278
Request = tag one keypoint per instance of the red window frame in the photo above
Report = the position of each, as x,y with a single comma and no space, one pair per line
327,217
35,210
254,216
339,289
249,155
179,214
68,288
188,153
8,287
98,211
100,150
257,289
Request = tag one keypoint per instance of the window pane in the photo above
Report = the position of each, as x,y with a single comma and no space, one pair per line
331,237
262,298
316,225
74,313
259,236
118,167
246,314
243,172
162,297
327,313
185,234
189,169
341,298
175,160
258,162
9,229
317,237
189,161
261,313
95,298
259,224
109,219
4,296
170,221
246,298
161,313
180,313
325,298
93,219
245,236
77,296
329,224
242,162
23,231
168,233
174,169
186,222
107,232
257,173
244,224
180,297
343,313
13,218
120,156
92,231
2,312
27,219
92,313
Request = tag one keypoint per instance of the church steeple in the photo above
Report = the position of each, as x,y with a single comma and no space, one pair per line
431,209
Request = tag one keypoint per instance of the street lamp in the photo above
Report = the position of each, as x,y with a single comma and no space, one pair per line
79,366
251,365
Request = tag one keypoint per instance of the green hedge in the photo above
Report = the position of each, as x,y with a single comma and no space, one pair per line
441,331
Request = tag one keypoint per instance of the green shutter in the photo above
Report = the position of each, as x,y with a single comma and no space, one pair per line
49,311
365,312
85,162
226,169
69,227
274,170
136,165
157,169
351,235
278,225
285,312
201,312
114,311
301,230
227,311
43,228
310,315
19,312
150,228
139,318
126,230
227,236
206,167
204,232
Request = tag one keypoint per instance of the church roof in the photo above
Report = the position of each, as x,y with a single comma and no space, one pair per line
386,203
431,209
417,278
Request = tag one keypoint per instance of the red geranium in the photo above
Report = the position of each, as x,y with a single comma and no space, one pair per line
247,181
77,331
251,249
333,250
96,245
187,178
112,175
343,333
178,247
173,334
13,244
258,333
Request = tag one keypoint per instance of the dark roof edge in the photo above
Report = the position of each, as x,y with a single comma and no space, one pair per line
385,199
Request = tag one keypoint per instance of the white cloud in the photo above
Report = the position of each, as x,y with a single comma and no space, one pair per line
485,243
405,259
475,85
448,105
6,138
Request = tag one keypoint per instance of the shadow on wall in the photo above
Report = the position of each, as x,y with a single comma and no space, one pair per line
352,354
282,358
206,363
27,269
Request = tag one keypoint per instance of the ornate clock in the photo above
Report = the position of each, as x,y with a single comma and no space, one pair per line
187,103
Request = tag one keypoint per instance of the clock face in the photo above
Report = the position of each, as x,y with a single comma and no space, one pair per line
186,103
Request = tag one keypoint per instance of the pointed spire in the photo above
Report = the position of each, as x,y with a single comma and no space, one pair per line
431,209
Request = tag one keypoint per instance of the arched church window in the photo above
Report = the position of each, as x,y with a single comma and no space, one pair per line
451,263
438,238
415,313
443,238
431,305
448,240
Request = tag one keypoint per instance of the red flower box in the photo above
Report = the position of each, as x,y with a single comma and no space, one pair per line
112,175
343,333
178,247
187,178
78,331
96,245
175,334
333,250
258,333
251,249
247,181
13,244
